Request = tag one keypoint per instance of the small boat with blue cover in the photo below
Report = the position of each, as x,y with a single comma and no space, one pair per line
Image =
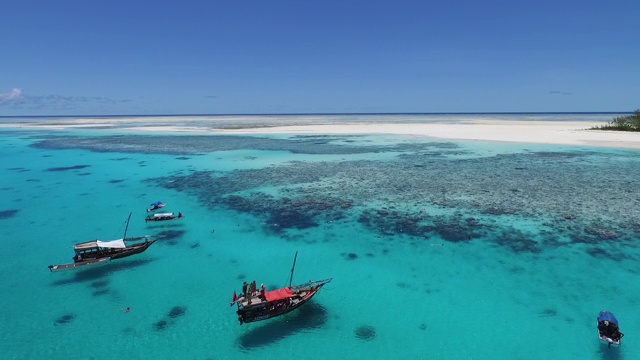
156,205
608,329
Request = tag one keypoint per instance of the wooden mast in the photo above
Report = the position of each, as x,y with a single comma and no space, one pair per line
293,268
126,228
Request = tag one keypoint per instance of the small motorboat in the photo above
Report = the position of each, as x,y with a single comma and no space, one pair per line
163,217
608,330
156,205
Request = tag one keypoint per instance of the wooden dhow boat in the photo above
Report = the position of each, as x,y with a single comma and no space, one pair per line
95,252
163,217
255,305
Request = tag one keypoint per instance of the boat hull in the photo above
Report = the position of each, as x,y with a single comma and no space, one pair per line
260,309
166,218
79,265
133,250
156,208
105,258
248,317
605,340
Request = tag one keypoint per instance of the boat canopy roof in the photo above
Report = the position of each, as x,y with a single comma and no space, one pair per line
157,203
113,244
608,316
279,294
159,215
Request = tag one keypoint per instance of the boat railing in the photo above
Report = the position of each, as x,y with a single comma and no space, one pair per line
310,284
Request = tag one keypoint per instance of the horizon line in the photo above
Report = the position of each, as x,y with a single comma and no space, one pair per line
328,113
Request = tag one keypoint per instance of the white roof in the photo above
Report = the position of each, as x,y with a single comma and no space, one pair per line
162,215
113,244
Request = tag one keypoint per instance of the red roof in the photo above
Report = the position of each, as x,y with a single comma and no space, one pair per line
279,294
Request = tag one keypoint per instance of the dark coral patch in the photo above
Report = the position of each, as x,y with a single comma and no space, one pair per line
6,214
161,325
453,233
351,256
170,237
99,284
549,312
517,242
177,311
600,233
423,326
67,168
290,219
64,319
116,181
604,254
365,332
101,292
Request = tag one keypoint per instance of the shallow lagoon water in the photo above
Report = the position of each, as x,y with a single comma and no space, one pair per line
463,250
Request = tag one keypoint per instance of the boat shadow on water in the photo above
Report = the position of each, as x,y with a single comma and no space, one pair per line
610,354
92,274
310,316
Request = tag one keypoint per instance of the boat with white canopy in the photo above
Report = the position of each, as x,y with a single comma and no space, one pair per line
99,252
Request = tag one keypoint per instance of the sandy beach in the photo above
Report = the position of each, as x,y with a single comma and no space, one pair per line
537,132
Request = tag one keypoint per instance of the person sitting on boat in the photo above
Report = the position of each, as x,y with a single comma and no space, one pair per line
610,330
179,214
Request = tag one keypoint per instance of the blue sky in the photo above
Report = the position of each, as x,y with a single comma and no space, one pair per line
238,57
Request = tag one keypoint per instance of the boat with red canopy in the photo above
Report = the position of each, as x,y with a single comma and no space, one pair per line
254,305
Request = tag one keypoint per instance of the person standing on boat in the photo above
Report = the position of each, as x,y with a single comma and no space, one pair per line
263,289
251,291
245,287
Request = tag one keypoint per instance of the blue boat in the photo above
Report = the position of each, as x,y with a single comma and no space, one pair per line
608,329
156,205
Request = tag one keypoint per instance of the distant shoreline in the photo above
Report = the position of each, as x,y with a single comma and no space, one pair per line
102,116
472,128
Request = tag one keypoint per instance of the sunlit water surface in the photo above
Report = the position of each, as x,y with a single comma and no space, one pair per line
456,250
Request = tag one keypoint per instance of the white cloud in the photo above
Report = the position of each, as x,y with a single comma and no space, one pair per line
14,94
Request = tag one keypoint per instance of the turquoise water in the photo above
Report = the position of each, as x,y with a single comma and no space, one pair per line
457,250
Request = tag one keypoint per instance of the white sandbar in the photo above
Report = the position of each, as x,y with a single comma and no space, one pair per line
540,132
